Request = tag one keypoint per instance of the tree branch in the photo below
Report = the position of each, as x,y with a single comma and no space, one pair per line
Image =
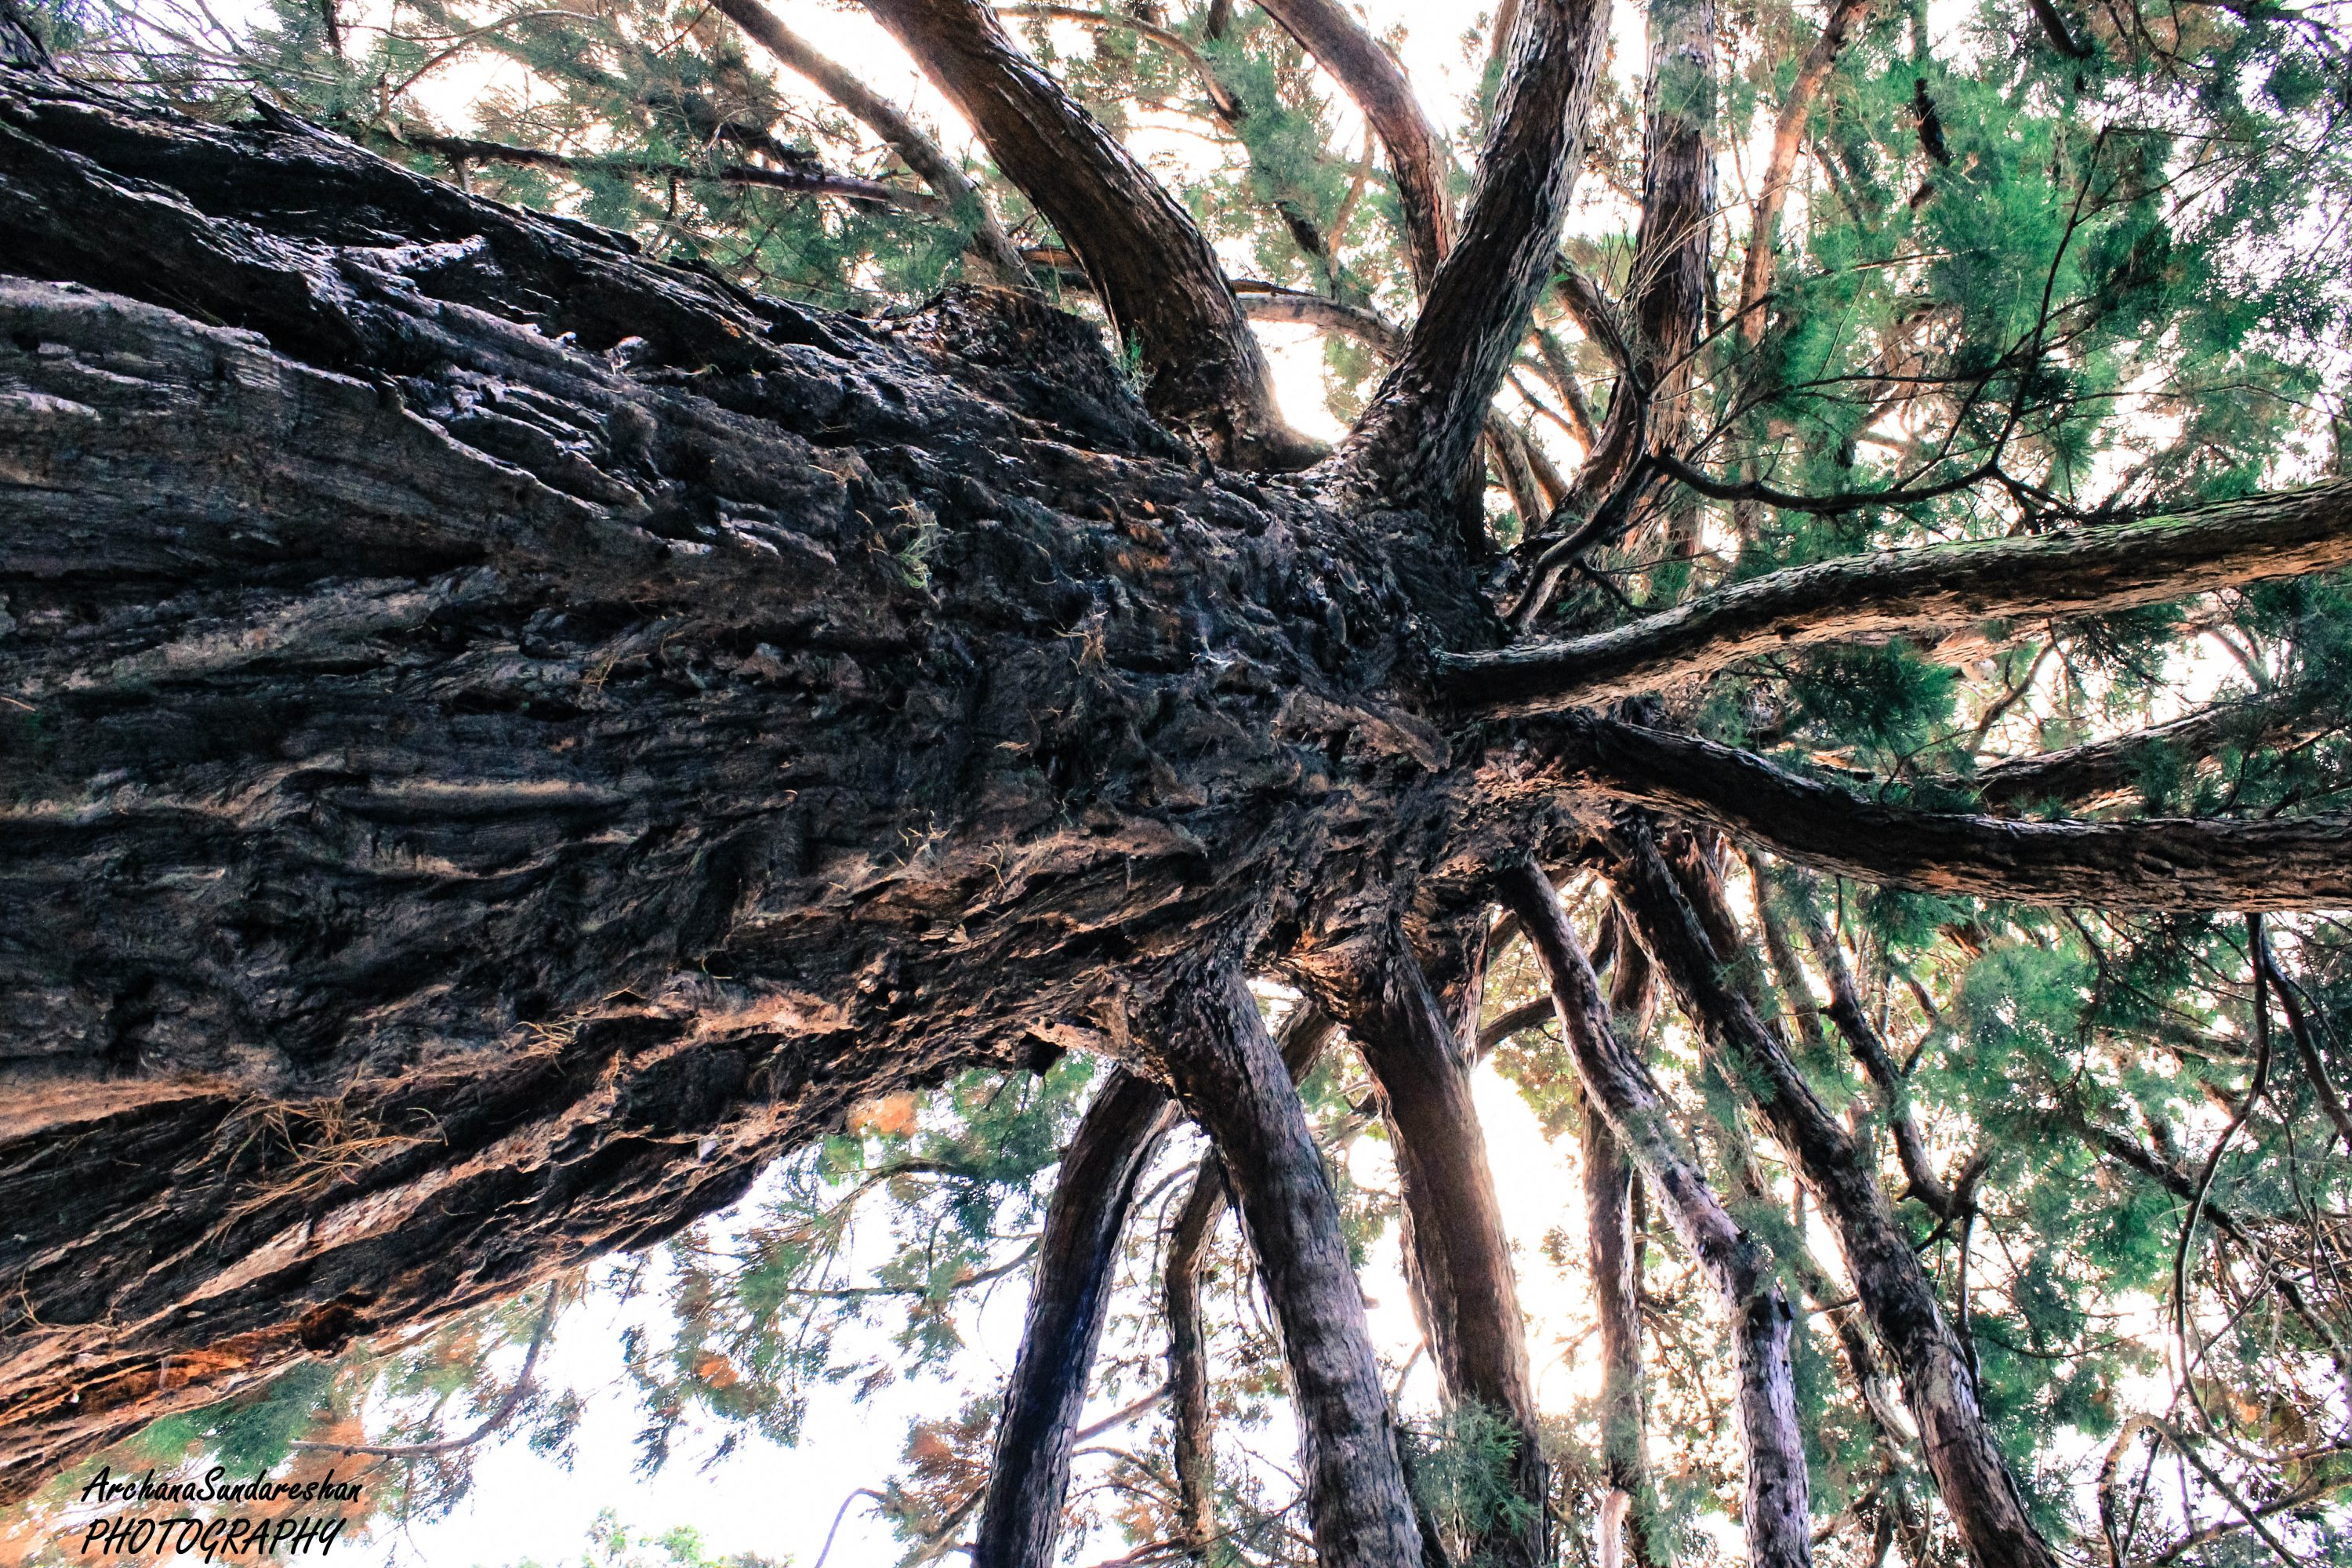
965,204
499,1417
1068,1300
2173,863
1688,931
1780,165
1156,273
1373,79
1233,1082
1739,1271
2081,571
1417,440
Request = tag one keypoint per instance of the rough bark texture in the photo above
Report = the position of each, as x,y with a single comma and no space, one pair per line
1070,1295
1418,437
1862,598
1203,371
1457,1255
1233,1082
507,737
1987,1509
1737,1268
2183,863
1417,159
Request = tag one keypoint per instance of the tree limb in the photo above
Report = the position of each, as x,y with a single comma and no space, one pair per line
2172,863
1069,1297
2081,571
990,243
1156,273
1418,437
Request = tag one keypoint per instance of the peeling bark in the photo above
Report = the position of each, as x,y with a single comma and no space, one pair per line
1069,1296
1888,593
1736,1266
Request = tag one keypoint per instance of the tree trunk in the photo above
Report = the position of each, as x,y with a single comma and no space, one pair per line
1233,1082
1069,1296
1737,1269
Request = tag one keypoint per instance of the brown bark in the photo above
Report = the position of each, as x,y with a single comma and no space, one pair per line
1457,1254
1069,1296
1232,1081
1736,1266
592,727
1419,437
2181,863
990,244
1987,1511
1304,1036
2104,773
1157,276
1888,593
1377,84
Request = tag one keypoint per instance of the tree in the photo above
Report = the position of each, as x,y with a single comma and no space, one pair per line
517,721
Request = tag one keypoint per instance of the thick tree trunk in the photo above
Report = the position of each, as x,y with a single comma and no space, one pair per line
1069,1296
1738,1270
1155,271
1457,1254
1987,1511
506,737
1233,1081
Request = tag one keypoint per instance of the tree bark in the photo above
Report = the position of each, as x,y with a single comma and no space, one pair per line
990,244
2185,863
1615,1252
1232,1080
1888,593
1757,271
2102,772
507,737
1375,83
1157,276
1736,1266
1069,1296
1987,1511
1418,439
1457,1254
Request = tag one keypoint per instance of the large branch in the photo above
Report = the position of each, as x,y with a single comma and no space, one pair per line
1233,1081
2082,571
1780,165
1418,437
1986,1506
1458,1256
990,243
1738,1270
2170,863
1154,269
2098,772
1069,1296
1372,76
